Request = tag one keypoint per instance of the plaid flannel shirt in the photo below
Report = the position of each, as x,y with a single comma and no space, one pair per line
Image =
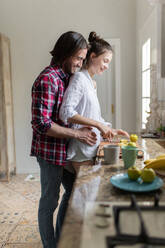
47,94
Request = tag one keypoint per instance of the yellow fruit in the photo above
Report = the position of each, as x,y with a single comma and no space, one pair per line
134,173
160,156
123,141
133,137
157,164
131,144
149,160
122,144
148,175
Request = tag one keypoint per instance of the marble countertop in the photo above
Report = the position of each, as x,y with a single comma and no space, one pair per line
92,184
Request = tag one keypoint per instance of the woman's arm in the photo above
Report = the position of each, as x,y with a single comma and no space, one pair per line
68,111
72,98
79,119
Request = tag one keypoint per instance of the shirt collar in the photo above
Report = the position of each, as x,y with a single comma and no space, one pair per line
64,76
88,76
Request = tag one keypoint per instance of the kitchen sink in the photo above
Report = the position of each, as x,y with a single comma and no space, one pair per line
161,143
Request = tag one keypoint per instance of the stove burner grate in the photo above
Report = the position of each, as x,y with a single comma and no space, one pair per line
143,238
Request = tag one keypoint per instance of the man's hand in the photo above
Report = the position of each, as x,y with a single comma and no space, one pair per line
85,135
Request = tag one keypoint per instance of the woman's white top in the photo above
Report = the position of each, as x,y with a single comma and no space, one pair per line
81,98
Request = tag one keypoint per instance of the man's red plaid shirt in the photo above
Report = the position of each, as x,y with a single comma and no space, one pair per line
47,94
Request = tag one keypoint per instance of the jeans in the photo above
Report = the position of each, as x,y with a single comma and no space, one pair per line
51,177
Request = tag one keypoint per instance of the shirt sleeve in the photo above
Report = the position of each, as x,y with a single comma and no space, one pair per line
43,100
72,98
105,122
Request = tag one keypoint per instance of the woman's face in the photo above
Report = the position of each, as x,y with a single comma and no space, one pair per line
101,63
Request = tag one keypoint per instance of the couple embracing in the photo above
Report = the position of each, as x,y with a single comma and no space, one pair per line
66,122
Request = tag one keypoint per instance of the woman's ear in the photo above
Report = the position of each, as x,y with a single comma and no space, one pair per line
92,55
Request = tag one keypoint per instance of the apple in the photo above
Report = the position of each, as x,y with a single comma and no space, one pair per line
134,172
148,175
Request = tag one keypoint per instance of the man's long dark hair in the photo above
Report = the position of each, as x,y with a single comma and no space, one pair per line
66,46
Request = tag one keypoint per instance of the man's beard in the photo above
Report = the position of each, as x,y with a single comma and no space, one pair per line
68,68
77,69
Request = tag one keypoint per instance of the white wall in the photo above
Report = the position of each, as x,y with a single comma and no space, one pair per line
144,9
33,26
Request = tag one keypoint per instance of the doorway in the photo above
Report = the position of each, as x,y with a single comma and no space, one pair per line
109,88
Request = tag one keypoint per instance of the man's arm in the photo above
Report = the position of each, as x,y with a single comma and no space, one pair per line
84,135
43,100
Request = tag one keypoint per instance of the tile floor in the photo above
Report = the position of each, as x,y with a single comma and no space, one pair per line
18,213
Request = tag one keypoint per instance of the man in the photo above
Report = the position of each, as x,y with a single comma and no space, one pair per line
49,142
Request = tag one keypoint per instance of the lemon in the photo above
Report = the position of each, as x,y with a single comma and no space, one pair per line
148,175
123,141
122,144
133,137
131,144
134,173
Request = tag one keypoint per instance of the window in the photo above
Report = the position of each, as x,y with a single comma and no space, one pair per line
145,82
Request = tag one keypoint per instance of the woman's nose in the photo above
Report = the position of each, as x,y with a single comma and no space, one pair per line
80,63
106,67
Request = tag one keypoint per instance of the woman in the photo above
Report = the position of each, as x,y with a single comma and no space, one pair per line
80,104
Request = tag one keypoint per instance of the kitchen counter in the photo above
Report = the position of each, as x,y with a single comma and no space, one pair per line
92,184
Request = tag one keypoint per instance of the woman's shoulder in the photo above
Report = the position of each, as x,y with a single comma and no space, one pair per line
78,75
78,79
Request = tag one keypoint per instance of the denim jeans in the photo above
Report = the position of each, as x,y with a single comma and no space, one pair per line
51,177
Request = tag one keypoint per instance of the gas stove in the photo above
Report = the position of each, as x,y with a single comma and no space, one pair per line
124,224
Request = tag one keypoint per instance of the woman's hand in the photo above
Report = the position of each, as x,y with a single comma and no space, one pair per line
106,132
122,132
109,133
